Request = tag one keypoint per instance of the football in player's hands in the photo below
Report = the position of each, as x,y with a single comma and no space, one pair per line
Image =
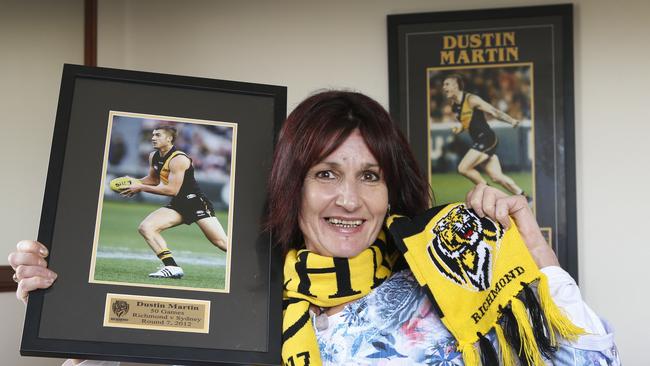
120,183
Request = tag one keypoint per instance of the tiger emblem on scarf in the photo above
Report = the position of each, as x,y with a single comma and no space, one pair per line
463,247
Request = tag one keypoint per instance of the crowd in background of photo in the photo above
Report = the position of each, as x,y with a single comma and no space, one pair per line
509,89
209,147
506,88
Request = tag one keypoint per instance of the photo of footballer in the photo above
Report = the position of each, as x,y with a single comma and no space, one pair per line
480,121
165,202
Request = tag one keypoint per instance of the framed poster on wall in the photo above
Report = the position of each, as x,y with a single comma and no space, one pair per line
487,96
152,215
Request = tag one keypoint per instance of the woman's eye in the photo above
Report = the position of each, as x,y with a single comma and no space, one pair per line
371,176
324,174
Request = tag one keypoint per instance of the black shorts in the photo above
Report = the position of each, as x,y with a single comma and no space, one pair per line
485,142
192,207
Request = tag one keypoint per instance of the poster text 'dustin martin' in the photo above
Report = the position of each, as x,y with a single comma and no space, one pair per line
478,48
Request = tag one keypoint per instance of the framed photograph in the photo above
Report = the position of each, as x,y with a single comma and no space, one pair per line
487,96
134,143
152,213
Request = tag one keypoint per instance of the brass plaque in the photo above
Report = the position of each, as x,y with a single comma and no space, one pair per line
157,313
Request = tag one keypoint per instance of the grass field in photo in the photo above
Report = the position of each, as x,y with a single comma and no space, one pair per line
124,256
452,187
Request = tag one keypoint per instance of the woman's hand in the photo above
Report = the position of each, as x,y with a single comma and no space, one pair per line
491,202
31,268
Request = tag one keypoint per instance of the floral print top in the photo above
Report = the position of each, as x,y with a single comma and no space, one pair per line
396,325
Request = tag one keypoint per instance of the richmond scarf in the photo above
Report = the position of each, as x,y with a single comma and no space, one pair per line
455,255
310,278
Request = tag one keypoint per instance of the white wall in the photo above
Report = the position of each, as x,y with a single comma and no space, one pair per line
612,80
307,45
36,38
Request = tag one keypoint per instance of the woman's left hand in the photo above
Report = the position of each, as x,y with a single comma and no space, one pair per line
491,202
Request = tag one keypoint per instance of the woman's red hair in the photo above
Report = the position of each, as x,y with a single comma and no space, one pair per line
316,128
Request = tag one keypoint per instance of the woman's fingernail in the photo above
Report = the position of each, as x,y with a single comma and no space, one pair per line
43,252
53,275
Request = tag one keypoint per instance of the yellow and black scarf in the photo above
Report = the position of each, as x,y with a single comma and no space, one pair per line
310,278
479,276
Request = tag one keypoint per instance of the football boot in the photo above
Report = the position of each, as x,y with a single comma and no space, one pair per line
168,272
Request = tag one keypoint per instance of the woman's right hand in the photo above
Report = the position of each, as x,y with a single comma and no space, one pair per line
28,261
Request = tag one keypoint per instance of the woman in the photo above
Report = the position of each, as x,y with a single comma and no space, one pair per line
339,168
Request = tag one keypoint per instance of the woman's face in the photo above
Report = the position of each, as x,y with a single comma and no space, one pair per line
344,201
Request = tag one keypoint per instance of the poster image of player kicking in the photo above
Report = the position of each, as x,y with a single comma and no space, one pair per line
469,111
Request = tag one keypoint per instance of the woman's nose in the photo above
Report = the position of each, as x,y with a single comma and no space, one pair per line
348,196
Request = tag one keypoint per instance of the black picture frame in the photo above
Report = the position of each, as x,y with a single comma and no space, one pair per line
66,319
536,42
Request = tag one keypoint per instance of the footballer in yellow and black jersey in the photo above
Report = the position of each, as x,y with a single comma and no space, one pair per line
190,202
473,120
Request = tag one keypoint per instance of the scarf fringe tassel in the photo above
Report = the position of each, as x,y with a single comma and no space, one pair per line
538,321
529,325
470,354
505,351
488,353
555,317
528,343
